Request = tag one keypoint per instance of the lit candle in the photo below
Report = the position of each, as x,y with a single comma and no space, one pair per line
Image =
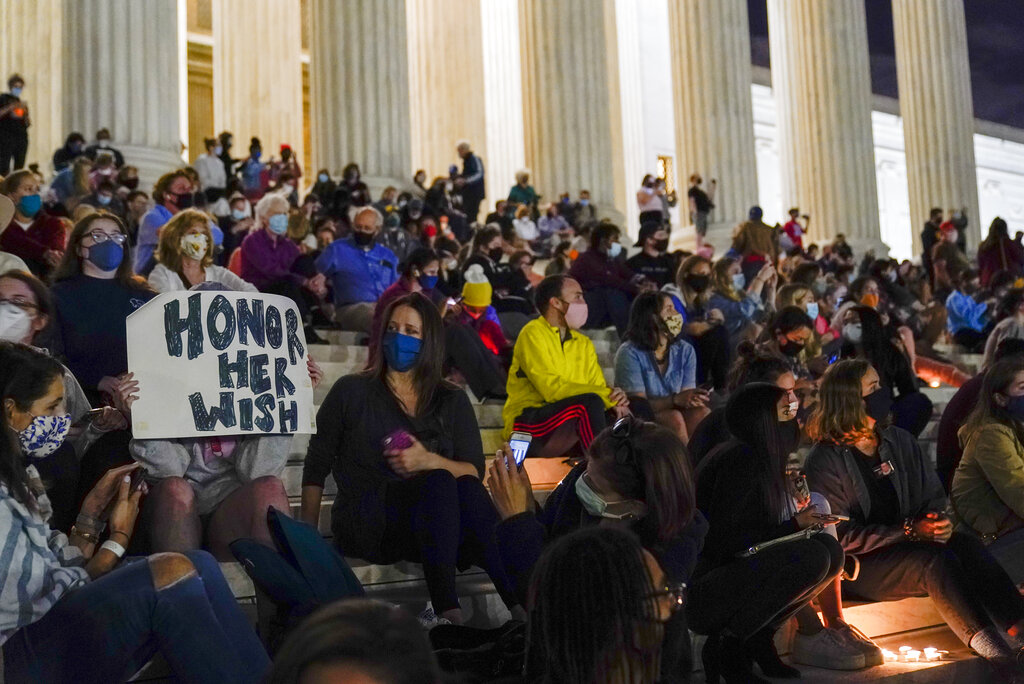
934,383
913,656
889,655
904,650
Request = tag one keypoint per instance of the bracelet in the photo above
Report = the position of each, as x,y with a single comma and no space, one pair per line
908,529
90,537
113,547
94,525
123,534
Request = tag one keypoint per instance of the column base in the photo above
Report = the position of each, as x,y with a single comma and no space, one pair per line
863,245
151,162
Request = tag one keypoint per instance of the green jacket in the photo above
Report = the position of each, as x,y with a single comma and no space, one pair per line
988,487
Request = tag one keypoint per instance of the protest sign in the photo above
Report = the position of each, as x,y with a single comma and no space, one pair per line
216,363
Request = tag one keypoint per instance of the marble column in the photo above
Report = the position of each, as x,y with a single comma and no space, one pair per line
122,71
571,108
714,120
257,74
503,95
32,34
935,103
822,87
359,83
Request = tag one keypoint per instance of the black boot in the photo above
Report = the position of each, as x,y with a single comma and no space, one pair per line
761,648
726,657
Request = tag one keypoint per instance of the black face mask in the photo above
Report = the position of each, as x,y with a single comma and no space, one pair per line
878,404
791,348
185,200
495,254
661,245
698,283
362,239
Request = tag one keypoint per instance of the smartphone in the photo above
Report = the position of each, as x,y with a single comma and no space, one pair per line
835,517
93,414
138,477
802,491
520,443
398,439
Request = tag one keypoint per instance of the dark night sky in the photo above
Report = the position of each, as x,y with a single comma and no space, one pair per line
995,45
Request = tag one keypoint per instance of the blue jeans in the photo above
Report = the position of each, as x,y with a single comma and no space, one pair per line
107,630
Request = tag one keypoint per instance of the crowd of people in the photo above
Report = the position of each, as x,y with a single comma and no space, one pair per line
746,453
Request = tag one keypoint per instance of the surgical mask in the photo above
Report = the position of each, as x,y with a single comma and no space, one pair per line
278,224
853,333
427,282
595,505
239,214
674,323
584,202
739,281
1015,407
812,310
194,246
29,205
323,178
362,239
878,404
16,92
104,200
615,250
106,256
400,351
44,435
891,275
869,299
576,315
15,323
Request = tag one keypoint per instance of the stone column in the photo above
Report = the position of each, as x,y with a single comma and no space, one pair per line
359,82
32,34
503,96
257,75
822,88
714,120
571,109
938,118
122,71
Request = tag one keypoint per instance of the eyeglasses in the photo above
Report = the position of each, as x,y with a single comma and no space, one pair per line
99,237
621,432
675,592
25,305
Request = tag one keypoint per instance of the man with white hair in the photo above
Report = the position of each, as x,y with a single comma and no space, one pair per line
471,181
359,270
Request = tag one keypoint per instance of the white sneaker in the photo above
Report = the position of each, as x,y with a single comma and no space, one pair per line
827,650
429,619
853,636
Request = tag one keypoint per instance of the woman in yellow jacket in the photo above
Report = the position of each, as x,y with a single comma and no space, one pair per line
988,487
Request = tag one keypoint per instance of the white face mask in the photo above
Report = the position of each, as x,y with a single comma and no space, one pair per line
853,333
615,250
194,246
15,323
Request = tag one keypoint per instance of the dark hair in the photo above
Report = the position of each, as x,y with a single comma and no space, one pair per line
997,380
590,594
752,365
604,230
806,273
11,183
1009,303
25,375
1009,346
519,254
73,138
209,142
933,211
70,265
419,259
41,293
856,288
563,248
645,325
874,341
1001,278
134,194
15,78
653,467
790,318
483,236
163,184
428,371
351,166
996,231
550,287
753,419
378,639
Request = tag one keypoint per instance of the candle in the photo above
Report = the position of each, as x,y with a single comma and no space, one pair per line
913,656
889,655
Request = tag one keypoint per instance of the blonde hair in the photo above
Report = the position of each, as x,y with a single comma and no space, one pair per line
168,251
840,417
721,281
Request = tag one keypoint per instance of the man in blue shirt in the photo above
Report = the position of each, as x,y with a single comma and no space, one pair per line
359,271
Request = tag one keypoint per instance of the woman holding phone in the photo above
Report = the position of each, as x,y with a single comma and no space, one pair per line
404,448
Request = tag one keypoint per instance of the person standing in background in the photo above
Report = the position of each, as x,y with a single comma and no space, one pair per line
471,181
14,123
701,204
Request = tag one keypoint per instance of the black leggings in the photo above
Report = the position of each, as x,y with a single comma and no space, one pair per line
969,587
443,522
764,590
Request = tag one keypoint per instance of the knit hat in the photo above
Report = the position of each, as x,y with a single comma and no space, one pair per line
477,289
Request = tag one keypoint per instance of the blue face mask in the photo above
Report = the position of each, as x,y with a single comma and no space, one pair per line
29,205
256,154
615,250
1015,407
739,281
428,282
812,311
323,178
400,351
104,200
238,214
106,256
279,224
16,92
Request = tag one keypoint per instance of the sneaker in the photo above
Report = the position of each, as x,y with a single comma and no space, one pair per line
826,650
429,619
853,636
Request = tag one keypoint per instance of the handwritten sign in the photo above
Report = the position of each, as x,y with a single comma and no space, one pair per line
219,363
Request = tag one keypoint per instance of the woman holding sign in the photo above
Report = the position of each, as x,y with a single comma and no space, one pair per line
405,450
185,256
70,610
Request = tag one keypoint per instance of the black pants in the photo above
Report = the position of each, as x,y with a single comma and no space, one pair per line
444,523
12,151
969,587
712,357
607,306
477,364
584,411
764,590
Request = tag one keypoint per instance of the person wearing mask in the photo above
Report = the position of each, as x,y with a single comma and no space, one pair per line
105,197
237,224
359,271
649,203
404,448
471,180
802,297
586,212
635,476
172,192
227,141
608,284
478,314
701,203
126,181
899,538
270,261
657,368
523,193
254,173
988,487
757,243
787,335
739,301
795,231
33,235
185,256
556,388
350,192
740,594
561,260
998,252
525,228
324,186
1011,325
213,181
968,321
553,226
486,251
73,147
703,326
653,261
287,165
14,124
948,259
103,145
503,215
136,204
178,605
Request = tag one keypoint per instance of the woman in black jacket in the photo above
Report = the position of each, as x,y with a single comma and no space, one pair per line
637,475
899,536
740,599
405,451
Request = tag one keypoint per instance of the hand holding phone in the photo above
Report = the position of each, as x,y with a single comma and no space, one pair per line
520,444
832,519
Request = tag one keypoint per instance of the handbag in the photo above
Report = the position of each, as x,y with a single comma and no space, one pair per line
805,533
